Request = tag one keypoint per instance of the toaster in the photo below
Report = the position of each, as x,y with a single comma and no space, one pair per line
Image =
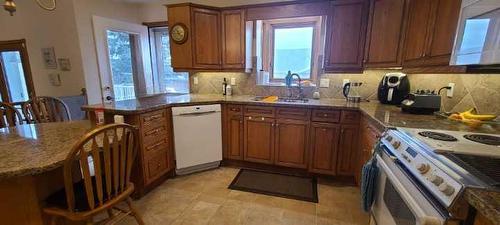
421,102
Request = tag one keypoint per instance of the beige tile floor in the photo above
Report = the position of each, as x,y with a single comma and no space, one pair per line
203,199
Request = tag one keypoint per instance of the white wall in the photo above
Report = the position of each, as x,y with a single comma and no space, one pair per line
84,9
43,29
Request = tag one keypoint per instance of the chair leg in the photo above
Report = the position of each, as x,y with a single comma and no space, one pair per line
53,220
134,213
110,213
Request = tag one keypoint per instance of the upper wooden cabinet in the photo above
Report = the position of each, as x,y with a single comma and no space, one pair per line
385,34
345,37
215,40
430,32
233,39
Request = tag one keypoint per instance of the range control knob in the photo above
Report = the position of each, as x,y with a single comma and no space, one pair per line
396,144
436,180
423,168
388,138
447,189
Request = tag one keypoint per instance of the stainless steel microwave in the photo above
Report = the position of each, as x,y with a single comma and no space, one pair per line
478,34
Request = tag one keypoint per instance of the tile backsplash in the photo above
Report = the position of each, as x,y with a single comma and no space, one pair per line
471,90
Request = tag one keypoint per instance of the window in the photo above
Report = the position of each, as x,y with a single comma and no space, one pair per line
16,84
291,44
120,47
167,81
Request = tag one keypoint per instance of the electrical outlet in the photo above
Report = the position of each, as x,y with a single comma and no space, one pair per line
195,80
233,81
449,92
324,83
345,81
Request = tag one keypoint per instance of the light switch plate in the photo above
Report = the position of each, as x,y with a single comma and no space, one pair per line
233,81
195,80
449,92
324,83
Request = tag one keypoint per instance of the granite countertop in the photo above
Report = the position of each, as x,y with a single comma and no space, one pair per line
385,115
35,148
486,202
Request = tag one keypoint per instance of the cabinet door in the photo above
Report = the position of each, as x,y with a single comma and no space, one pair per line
259,139
418,30
384,47
324,148
346,30
235,137
291,143
368,137
233,39
347,150
443,34
205,36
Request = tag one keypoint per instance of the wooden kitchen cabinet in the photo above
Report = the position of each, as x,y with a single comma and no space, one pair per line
346,29
259,139
347,150
235,137
291,148
368,136
233,39
385,33
206,38
324,148
430,33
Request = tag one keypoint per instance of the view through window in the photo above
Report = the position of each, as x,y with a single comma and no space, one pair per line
292,51
15,77
120,46
168,80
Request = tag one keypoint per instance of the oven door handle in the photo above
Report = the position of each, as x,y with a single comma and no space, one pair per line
421,216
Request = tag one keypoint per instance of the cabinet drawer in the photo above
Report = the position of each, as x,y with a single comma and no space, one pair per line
155,145
259,111
154,119
349,116
154,135
156,165
234,110
325,115
293,113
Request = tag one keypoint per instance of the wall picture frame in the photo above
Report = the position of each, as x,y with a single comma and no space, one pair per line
49,58
64,64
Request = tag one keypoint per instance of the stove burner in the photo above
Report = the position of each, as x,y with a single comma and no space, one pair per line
483,139
437,136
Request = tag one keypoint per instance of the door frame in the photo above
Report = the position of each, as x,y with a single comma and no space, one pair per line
16,45
144,78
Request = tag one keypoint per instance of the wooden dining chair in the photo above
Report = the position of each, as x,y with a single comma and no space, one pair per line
97,177
9,116
45,109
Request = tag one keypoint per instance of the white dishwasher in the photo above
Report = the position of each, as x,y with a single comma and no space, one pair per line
197,137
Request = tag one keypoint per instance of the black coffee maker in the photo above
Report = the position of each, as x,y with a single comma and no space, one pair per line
393,88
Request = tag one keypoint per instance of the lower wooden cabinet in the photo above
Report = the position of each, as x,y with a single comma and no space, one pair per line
259,139
235,137
324,148
368,136
347,149
291,143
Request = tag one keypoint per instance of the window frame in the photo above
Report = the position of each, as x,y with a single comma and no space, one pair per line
20,46
269,26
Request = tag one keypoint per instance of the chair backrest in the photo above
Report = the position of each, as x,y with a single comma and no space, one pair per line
45,109
9,116
111,151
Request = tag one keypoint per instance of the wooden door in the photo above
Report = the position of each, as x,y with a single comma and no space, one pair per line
418,31
324,148
291,143
348,148
235,137
386,29
443,32
345,41
259,139
233,39
206,38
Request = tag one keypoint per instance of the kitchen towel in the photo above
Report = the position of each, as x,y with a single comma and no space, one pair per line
368,181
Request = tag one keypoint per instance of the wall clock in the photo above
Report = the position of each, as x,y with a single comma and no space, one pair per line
179,33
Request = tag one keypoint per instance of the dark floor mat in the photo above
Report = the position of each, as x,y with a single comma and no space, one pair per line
281,185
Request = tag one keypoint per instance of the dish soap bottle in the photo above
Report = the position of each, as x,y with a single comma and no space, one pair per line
224,87
229,90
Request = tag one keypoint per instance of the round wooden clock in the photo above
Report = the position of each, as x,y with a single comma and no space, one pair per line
179,33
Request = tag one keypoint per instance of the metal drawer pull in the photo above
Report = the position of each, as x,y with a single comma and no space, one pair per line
155,145
155,131
154,117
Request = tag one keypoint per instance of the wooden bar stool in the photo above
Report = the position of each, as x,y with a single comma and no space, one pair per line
9,116
97,177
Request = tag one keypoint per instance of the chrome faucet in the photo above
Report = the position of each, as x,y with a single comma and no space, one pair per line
289,81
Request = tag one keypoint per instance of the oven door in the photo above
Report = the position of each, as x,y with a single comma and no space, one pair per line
398,200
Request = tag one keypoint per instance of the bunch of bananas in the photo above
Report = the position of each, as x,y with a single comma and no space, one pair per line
471,118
